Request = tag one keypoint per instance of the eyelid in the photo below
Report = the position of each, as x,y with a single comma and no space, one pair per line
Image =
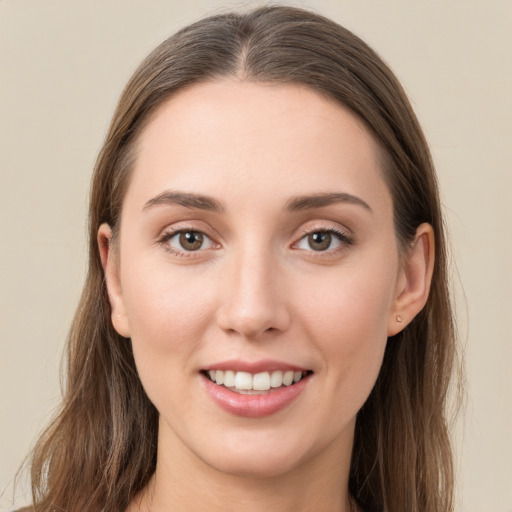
182,227
206,240
344,236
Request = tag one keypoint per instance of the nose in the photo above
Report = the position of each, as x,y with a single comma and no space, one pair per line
254,298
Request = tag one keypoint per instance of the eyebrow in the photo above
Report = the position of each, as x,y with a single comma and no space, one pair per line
186,199
324,199
202,202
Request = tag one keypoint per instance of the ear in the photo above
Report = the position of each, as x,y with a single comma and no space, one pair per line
413,283
110,263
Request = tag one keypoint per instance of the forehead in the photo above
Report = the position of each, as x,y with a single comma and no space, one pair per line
229,138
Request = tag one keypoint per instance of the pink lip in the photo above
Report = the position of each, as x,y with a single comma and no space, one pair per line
267,365
254,406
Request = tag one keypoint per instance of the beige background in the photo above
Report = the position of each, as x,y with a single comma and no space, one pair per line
63,64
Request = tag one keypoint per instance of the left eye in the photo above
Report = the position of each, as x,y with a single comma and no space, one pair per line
189,241
321,241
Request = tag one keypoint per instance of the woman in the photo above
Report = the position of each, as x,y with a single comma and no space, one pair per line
266,322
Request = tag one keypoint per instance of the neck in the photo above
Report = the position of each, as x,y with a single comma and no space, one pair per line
183,482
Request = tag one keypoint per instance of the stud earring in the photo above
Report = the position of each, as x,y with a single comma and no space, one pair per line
398,318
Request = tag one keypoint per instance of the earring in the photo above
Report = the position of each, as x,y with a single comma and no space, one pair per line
398,318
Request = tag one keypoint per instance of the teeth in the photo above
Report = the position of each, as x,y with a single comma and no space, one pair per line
243,380
247,383
287,378
229,379
261,382
276,379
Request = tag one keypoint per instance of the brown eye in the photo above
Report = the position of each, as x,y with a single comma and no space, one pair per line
325,240
191,240
320,240
187,241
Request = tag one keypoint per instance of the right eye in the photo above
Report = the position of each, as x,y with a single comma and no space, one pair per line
186,241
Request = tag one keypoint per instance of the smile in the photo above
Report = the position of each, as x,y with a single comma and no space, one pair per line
248,383
254,390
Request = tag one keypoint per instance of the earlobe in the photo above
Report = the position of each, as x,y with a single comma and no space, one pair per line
413,285
110,263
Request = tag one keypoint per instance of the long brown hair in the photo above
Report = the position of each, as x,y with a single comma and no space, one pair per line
100,450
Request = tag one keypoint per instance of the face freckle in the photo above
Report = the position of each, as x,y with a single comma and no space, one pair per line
257,230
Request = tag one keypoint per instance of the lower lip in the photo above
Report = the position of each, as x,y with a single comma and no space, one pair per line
254,406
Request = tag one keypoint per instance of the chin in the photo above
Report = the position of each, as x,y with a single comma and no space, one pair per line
264,454
257,467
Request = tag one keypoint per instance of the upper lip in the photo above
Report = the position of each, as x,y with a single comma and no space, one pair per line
264,365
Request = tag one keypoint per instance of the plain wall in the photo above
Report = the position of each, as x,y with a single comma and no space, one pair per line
63,64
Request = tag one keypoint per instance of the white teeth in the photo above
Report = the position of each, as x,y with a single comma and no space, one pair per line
288,378
276,379
245,382
229,379
261,381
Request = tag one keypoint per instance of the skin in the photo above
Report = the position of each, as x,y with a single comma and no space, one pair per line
257,289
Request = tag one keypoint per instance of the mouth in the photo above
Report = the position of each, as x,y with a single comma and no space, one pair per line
247,383
255,390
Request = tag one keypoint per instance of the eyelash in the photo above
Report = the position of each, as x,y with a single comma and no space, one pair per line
168,235
341,236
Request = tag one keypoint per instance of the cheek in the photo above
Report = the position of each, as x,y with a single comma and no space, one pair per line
168,311
168,314
353,302
347,320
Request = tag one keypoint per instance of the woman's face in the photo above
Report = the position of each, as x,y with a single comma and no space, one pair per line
256,244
